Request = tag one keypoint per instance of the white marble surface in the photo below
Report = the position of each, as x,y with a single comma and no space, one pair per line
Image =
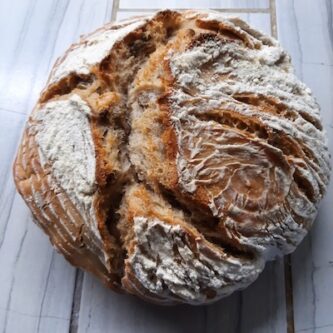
137,4
306,31
260,21
41,292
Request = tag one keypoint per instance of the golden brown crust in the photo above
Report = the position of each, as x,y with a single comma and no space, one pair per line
73,241
190,155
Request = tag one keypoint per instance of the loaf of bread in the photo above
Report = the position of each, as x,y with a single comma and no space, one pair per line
173,155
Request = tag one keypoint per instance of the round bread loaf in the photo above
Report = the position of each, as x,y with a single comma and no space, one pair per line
173,155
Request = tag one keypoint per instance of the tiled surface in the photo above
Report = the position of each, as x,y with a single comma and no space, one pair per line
260,21
41,292
306,31
33,34
137,4
260,308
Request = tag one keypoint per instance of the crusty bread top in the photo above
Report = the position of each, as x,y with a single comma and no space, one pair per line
171,155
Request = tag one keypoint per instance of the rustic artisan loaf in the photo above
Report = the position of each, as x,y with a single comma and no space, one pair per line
173,155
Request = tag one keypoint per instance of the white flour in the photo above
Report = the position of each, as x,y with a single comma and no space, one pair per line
161,252
95,48
212,154
65,143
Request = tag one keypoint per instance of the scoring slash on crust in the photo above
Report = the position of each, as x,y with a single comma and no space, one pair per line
173,155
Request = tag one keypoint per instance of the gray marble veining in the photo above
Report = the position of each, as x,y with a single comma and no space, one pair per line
305,30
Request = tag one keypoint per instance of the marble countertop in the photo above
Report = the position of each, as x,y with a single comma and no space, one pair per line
41,292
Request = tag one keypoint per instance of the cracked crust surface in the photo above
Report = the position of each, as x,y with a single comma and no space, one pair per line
172,155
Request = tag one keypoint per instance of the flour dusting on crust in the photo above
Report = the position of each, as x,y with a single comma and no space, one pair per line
173,155
66,146
216,79
167,264
92,51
